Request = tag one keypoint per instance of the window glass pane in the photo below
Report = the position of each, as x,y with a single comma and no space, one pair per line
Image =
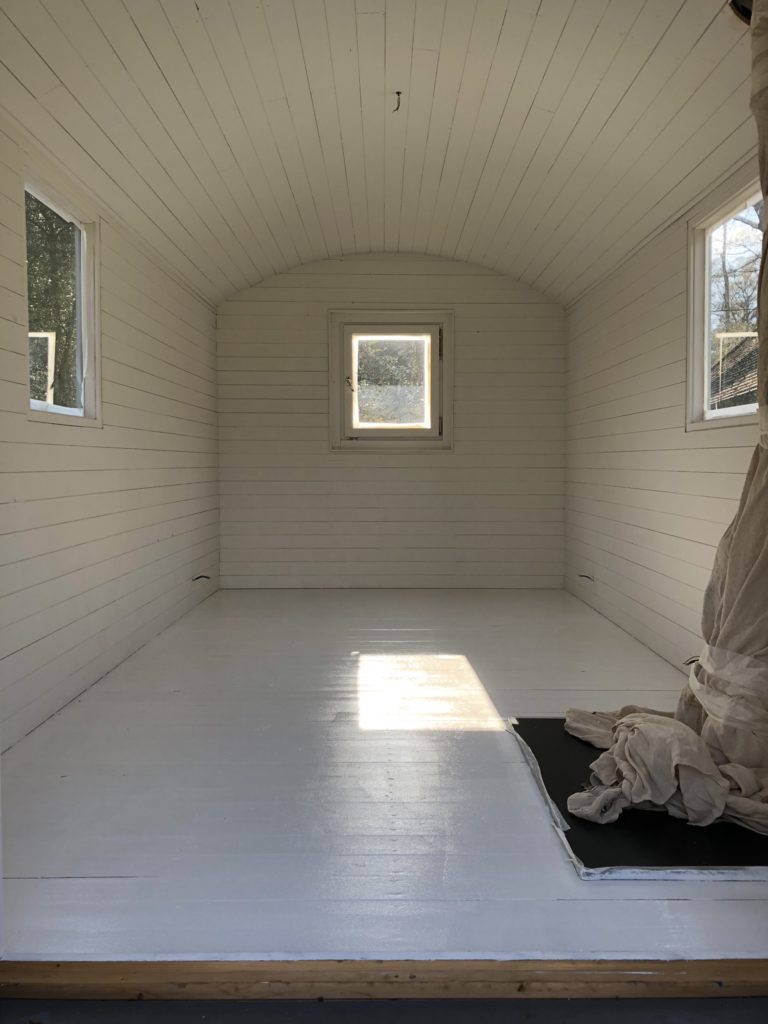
53,288
392,380
734,259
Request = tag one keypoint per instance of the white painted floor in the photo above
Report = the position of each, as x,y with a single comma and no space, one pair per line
293,774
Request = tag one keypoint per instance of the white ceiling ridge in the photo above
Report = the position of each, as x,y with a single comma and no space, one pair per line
395,254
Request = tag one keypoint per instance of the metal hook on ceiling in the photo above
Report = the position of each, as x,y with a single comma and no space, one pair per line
399,93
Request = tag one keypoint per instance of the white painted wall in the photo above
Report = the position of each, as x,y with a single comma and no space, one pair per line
102,529
487,514
647,502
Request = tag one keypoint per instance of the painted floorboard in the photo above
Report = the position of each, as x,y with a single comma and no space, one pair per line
287,774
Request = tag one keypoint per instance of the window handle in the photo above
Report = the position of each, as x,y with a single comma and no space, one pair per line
349,384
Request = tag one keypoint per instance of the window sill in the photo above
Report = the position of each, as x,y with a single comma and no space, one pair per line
724,419
42,413
392,444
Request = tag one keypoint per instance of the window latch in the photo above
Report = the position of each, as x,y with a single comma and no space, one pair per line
349,384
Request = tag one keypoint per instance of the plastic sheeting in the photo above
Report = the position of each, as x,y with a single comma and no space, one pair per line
708,761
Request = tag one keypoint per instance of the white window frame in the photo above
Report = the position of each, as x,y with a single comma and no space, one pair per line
698,415
343,325
88,224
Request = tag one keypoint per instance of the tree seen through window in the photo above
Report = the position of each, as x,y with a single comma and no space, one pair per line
53,289
735,249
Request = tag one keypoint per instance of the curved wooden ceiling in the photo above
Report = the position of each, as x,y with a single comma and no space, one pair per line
543,138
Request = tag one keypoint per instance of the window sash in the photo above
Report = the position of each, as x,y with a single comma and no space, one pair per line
87,317
349,384
372,319
700,414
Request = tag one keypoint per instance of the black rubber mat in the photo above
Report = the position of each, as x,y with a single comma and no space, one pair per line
639,839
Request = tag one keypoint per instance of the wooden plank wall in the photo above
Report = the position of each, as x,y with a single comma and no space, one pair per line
295,514
102,529
647,501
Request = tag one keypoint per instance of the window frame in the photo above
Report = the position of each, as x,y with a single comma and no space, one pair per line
698,416
342,325
89,226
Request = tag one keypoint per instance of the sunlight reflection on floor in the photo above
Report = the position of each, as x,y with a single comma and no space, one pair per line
423,691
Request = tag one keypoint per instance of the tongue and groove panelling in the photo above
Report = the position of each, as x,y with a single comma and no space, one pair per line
647,500
296,514
101,529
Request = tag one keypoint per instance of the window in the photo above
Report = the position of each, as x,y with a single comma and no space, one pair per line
725,257
61,291
390,378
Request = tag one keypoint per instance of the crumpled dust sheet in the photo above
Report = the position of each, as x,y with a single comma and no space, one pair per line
652,760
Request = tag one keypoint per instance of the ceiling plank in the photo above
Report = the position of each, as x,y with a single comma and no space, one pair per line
332,210
457,29
370,51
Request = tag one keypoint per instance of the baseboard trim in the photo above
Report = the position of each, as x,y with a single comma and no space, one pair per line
384,979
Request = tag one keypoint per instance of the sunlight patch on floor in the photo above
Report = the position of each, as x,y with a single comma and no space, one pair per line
423,691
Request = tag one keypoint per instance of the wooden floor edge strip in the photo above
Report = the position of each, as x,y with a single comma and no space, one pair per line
384,979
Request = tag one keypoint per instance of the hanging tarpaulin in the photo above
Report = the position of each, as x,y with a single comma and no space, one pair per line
708,761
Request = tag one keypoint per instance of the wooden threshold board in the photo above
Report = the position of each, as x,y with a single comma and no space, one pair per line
384,979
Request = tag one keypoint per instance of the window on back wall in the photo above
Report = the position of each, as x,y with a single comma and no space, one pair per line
725,253
390,378
61,308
